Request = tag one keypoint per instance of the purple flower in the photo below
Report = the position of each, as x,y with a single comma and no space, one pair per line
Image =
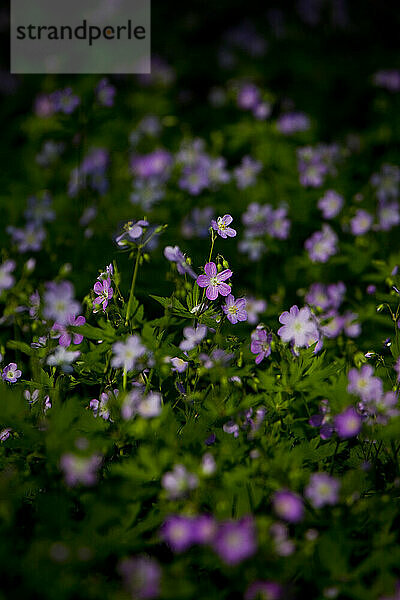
348,423
322,244
254,308
235,310
350,327
322,490
6,279
387,182
288,506
59,330
195,178
363,383
132,233
326,297
156,165
260,344
298,326
59,302
104,293
177,532
247,172
235,541
146,406
278,226
214,282
388,215
178,482
203,527
29,239
361,222
100,407
80,469
142,576
65,101
292,123
193,337
175,255
11,373
248,97
264,590
39,209
125,354
5,434
221,226
323,420
330,204
105,93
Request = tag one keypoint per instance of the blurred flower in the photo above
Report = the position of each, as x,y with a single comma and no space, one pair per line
177,532
59,302
388,79
132,232
175,255
247,172
62,358
197,223
178,482
29,239
235,541
330,204
361,222
288,506
156,165
125,354
264,590
322,490
293,122
137,403
322,244
254,308
363,383
80,469
105,93
193,337
141,576
348,423
6,279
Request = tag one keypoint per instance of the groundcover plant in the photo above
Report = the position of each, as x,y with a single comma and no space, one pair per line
200,312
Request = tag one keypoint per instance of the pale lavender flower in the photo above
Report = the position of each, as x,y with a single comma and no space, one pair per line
293,122
147,192
33,397
175,255
125,354
262,111
208,464
80,469
235,310
298,326
253,247
104,293
11,373
322,244
105,93
254,308
178,364
49,153
214,281
7,280
195,178
279,225
348,423
178,482
350,325
235,541
141,576
217,172
330,204
363,383
260,344
322,490
193,337
288,506
257,218
246,173
29,239
388,215
100,406
282,544
221,226
65,101
387,182
361,222
60,331
59,302
62,358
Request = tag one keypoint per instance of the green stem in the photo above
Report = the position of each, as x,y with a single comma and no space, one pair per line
125,376
132,292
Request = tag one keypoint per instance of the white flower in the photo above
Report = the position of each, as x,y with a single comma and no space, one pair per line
126,353
62,357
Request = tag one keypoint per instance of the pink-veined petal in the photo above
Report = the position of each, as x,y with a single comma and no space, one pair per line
212,292
224,289
203,281
210,269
